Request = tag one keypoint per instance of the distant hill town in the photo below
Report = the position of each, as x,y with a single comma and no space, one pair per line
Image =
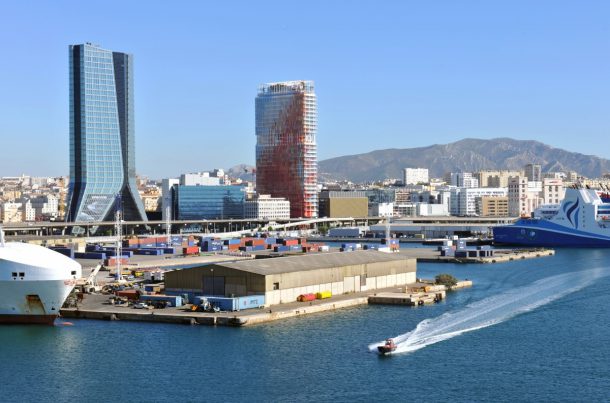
468,155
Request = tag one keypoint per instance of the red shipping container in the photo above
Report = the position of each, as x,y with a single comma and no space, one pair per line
190,250
306,297
133,295
290,242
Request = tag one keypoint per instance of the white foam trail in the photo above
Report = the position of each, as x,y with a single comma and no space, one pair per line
493,310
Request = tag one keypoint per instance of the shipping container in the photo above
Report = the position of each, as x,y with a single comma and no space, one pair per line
148,252
290,242
281,248
190,250
237,303
113,261
306,297
270,241
129,294
172,300
90,255
324,295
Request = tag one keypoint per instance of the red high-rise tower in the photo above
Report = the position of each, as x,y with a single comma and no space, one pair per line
286,154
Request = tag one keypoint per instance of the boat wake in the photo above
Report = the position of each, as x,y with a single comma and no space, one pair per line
492,310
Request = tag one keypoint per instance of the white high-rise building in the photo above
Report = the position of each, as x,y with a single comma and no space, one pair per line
413,176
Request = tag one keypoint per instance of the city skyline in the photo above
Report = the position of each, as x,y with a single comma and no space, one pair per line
393,76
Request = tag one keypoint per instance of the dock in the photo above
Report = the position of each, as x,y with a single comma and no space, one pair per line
95,306
427,255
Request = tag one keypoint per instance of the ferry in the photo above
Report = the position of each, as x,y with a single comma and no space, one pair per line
582,220
34,282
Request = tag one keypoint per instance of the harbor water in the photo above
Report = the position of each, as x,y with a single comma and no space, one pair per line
532,330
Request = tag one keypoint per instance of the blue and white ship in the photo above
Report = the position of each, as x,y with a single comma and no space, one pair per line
582,220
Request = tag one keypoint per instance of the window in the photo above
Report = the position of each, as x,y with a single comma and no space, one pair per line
21,274
14,274
73,272
276,286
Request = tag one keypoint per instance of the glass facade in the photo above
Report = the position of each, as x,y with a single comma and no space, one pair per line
102,155
208,202
286,153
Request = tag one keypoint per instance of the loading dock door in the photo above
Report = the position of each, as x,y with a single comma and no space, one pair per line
214,285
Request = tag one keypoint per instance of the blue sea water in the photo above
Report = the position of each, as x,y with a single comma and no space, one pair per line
542,334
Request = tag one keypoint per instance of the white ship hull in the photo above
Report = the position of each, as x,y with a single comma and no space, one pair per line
32,301
34,283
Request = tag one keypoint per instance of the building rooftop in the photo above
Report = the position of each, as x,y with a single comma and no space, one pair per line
312,262
286,87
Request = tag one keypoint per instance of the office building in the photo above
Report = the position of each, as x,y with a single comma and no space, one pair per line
335,204
102,154
265,207
207,202
286,155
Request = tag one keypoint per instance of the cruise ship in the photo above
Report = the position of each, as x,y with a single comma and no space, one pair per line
34,282
582,220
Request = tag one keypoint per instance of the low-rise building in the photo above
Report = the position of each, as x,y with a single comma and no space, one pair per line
283,279
334,204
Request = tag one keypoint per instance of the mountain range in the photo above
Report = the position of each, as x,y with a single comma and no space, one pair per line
467,155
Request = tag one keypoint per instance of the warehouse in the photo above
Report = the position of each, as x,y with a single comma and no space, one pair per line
282,279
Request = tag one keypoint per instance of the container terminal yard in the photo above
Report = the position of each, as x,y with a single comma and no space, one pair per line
250,280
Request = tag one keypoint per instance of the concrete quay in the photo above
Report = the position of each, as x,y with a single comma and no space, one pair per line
95,306
427,255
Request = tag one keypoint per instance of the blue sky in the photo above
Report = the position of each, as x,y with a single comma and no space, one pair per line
388,75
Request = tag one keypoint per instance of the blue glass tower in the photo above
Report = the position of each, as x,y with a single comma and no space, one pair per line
102,155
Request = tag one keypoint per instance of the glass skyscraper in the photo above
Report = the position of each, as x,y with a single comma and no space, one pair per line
102,155
286,153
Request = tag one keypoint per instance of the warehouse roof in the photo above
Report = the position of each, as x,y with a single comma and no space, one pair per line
312,262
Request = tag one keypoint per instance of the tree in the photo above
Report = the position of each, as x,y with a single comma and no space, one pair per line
445,279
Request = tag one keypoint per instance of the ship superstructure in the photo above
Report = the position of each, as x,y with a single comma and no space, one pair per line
581,220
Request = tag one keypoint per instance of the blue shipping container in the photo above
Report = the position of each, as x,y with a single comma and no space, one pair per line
237,303
149,251
90,255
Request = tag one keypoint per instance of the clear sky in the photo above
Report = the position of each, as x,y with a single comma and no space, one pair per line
387,74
